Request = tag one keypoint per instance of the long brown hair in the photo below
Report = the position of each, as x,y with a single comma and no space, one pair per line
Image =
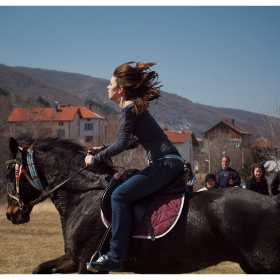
257,165
139,82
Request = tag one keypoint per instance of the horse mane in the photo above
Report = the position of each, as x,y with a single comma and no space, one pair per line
68,150
67,147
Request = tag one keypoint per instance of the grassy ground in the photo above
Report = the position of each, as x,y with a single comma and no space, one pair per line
24,247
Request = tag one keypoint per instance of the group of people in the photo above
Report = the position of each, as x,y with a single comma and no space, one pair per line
132,86
228,177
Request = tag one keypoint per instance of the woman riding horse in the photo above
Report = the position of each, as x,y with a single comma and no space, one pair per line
132,88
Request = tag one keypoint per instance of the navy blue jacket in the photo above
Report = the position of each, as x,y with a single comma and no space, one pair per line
134,130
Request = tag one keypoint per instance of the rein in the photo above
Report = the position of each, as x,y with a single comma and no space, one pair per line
43,197
34,180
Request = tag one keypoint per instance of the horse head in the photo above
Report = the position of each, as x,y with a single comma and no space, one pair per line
35,166
22,186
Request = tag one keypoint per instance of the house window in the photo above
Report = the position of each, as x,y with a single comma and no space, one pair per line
88,126
17,133
60,133
235,144
88,138
60,123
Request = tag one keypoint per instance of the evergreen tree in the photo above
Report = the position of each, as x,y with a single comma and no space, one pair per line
255,156
4,92
42,101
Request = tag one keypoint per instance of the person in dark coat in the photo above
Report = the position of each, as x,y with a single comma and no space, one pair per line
227,176
210,183
275,183
257,181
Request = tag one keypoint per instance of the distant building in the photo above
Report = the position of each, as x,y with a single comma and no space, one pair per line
225,138
66,121
262,143
184,141
235,133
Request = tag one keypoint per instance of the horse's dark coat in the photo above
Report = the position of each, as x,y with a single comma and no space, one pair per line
231,224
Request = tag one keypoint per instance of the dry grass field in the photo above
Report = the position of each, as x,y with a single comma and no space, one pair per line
24,247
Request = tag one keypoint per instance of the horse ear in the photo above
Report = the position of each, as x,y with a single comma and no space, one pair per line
13,146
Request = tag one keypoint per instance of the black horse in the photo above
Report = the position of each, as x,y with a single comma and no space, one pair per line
231,224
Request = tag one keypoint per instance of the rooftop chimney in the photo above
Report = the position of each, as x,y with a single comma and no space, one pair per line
56,106
232,121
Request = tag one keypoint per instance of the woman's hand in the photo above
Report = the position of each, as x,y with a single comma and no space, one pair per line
88,159
91,151
94,150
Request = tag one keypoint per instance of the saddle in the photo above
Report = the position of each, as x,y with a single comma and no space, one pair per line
153,216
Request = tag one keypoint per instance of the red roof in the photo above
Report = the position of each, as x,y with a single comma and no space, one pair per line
181,136
262,143
47,114
178,136
231,125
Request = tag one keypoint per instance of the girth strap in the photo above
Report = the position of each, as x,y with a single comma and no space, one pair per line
149,224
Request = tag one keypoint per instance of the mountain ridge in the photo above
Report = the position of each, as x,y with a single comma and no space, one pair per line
174,111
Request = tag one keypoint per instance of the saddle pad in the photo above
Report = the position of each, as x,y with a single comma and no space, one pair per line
164,211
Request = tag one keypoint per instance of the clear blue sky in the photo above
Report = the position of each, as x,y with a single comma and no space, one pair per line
224,56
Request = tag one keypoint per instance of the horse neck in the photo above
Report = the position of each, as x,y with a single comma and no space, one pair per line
56,170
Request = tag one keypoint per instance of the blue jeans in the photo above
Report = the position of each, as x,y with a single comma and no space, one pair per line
144,183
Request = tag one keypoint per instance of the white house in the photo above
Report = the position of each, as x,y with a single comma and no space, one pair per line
72,122
184,141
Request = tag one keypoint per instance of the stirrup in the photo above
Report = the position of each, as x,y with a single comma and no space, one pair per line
99,248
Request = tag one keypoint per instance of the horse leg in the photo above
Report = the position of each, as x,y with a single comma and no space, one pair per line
247,268
63,264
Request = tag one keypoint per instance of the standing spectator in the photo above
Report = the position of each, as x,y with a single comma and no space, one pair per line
257,181
275,184
191,178
210,183
228,177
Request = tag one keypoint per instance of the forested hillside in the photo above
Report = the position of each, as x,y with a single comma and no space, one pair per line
174,111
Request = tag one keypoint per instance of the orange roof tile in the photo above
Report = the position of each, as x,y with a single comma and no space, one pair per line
178,136
47,114
262,143
88,114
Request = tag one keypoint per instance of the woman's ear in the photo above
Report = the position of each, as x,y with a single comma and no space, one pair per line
121,90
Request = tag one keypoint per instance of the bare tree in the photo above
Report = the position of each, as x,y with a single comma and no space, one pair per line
271,132
218,147
135,158
5,110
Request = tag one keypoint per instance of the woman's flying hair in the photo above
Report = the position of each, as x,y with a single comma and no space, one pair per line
139,82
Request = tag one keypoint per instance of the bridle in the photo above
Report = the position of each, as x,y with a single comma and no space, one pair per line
31,174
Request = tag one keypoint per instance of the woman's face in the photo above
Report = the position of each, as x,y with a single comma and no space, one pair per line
210,183
258,172
113,89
